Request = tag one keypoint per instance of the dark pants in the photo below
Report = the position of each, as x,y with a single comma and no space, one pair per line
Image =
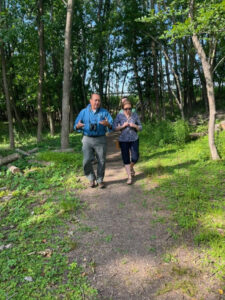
129,151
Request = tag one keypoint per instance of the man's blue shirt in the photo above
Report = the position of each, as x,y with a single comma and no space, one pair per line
87,116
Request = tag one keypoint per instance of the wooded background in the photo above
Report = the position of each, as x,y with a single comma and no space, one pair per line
169,56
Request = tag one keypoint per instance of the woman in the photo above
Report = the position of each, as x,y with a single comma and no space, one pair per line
128,123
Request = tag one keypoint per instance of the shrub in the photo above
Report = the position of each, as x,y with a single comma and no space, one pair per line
166,132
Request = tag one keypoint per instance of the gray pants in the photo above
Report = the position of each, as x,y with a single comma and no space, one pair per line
92,145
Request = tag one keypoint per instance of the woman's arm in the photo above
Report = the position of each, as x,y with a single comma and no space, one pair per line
116,123
137,125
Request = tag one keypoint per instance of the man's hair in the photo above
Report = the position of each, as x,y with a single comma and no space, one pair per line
94,94
126,102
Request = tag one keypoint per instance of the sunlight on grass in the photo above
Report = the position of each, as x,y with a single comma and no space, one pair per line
193,188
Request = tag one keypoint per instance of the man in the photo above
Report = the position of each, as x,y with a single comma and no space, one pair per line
94,121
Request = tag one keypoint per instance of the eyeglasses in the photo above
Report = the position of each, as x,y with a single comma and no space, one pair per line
127,108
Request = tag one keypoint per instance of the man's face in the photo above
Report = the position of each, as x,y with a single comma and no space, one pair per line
95,101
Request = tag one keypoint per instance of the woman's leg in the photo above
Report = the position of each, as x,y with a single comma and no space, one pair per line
134,155
125,152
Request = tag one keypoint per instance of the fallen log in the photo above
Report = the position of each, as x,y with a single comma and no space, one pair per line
222,125
22,152
64,150
9,158
32,150
13,169
3,188
196,135
40,162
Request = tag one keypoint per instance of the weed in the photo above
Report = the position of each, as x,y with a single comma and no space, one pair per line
108,238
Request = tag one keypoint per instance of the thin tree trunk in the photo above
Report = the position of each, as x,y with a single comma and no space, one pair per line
8,104
139,87
41,70
169,88
6,91
66,79
51,123
71,114
179,100
155,70
210,89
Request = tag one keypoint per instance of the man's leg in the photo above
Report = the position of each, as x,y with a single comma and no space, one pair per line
88,154
100,150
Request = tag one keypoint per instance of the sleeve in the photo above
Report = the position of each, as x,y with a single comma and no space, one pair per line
138,122
79,118
110,120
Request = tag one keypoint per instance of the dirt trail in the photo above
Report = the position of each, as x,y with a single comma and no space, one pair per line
125,247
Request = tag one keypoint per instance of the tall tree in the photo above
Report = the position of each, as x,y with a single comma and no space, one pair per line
6,90
41,70
66,78
207,69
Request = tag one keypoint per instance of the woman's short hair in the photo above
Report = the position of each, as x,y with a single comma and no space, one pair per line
125,103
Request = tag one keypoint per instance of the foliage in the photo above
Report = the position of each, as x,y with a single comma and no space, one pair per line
166,132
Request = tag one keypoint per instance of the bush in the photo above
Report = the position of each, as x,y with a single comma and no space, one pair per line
166,132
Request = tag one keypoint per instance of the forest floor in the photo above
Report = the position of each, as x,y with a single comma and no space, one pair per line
127,248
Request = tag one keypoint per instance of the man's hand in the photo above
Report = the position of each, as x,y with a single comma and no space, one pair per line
105,123
80,125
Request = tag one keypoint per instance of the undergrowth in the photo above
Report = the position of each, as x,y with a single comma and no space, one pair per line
34,208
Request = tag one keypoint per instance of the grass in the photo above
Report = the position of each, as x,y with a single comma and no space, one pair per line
193,189
34,211
38,203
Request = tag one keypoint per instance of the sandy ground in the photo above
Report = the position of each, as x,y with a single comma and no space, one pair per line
126,249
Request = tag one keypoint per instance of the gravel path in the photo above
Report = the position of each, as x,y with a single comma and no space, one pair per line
125,247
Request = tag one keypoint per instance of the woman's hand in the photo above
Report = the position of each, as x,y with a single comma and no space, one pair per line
134,126
125,124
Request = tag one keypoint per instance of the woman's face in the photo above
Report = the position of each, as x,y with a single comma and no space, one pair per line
127,109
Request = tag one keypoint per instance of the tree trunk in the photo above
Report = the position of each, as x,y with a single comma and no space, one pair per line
71,114
8,104
41,70
51,123
66,78
139,88
211,96
209,86
169,88
179,100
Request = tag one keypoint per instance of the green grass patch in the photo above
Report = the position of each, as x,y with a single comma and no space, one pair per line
34,210
192,186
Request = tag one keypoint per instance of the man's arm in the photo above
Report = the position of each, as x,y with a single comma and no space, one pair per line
108,122
78,124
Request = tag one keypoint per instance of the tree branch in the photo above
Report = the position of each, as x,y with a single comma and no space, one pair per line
222,59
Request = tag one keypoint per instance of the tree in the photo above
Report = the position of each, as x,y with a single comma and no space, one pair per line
66,79
41,70
207,65
6,90
204,22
